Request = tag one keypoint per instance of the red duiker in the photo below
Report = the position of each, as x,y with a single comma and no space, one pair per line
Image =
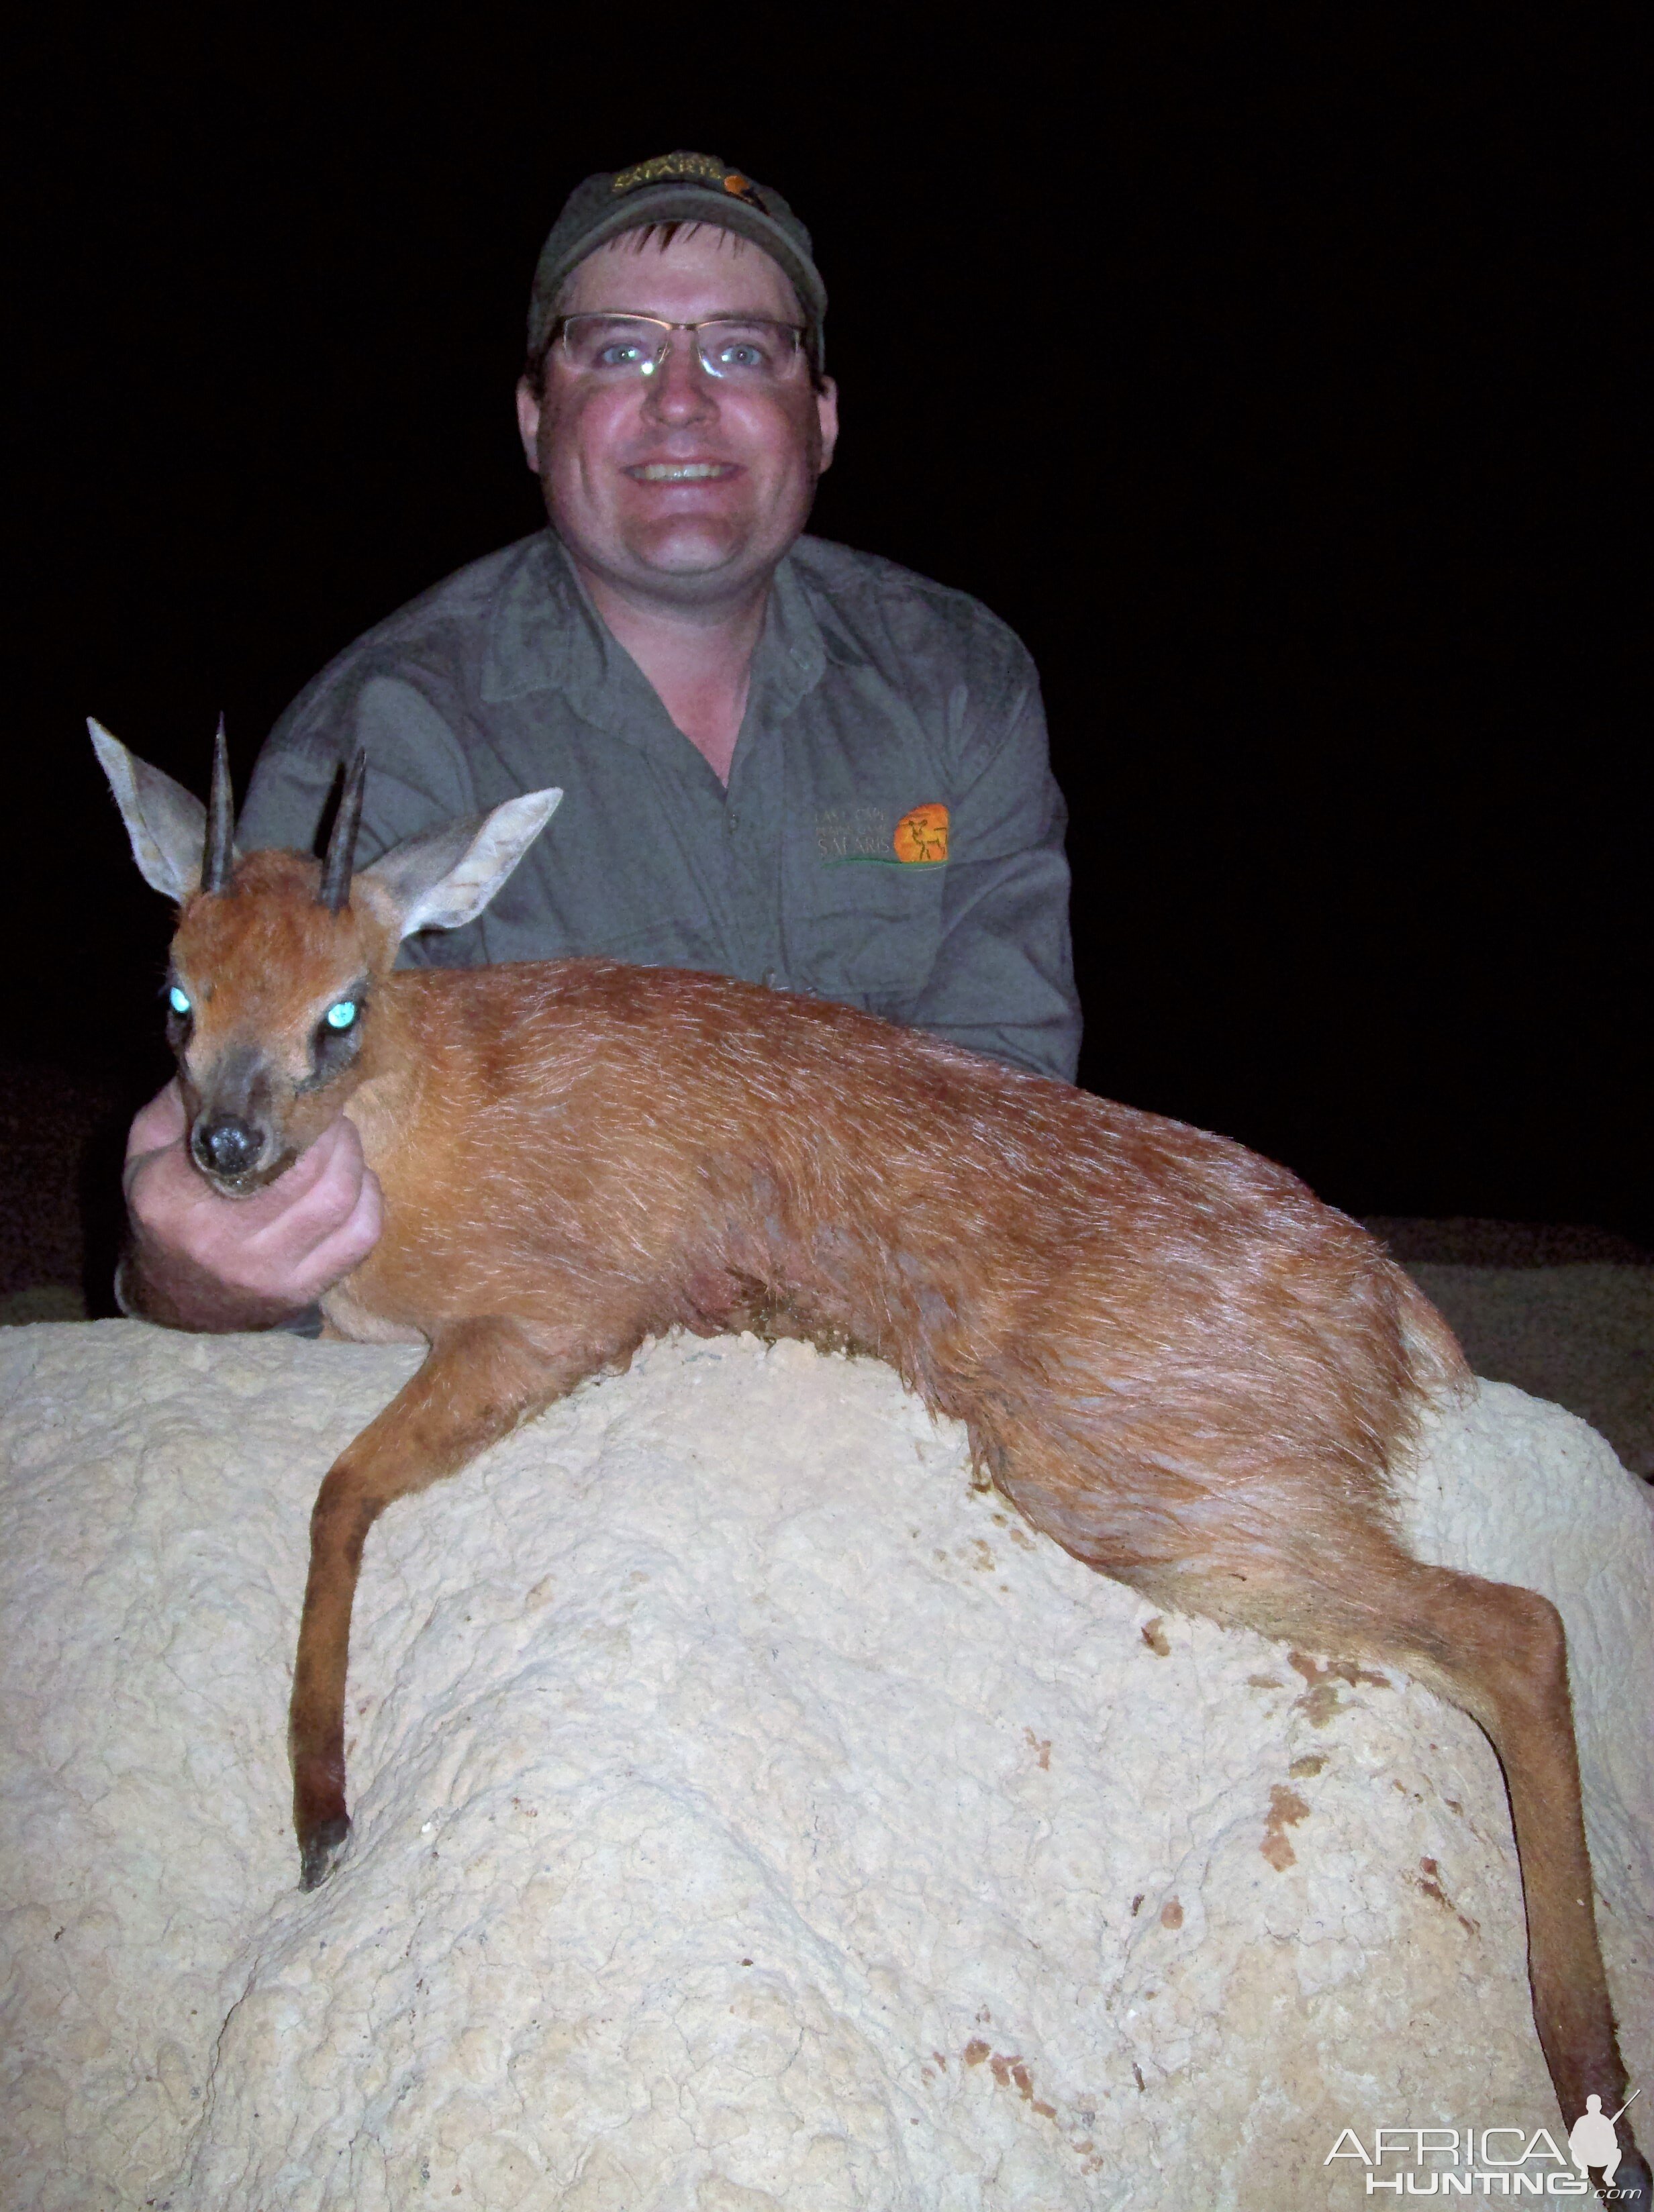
1168,1354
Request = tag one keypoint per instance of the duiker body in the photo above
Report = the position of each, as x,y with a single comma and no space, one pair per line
1168,1354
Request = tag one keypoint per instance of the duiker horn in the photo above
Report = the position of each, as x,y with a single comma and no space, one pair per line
219,858
335,891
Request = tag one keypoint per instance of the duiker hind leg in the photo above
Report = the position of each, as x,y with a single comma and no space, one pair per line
1499,1653
481,1379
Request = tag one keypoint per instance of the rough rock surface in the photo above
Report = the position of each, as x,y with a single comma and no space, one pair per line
749,1813
1580,1334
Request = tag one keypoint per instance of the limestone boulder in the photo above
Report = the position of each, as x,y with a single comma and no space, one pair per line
749,1813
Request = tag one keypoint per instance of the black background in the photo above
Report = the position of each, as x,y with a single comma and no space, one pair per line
1257,365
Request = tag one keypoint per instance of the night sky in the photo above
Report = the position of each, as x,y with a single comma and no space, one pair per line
1261,373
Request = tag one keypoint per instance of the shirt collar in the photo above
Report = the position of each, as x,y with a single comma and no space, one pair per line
542,628
544,635
792,656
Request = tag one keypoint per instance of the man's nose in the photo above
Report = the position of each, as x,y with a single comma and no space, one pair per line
680,391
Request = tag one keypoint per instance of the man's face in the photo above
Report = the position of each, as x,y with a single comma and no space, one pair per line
607,455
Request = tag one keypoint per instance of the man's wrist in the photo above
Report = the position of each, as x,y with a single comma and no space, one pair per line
175,1292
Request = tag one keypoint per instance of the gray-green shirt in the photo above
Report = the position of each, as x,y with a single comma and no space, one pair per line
878,700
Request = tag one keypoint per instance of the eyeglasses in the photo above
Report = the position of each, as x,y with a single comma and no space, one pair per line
745,350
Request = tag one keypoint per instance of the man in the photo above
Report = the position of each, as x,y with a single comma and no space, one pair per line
782,760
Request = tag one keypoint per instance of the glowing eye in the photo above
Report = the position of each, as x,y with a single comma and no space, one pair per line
342,1016
177,1000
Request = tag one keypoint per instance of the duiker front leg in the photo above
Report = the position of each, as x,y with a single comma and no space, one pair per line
481,1379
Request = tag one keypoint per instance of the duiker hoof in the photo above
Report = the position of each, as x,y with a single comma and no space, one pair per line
319,1852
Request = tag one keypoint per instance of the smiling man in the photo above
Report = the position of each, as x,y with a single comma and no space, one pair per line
782,760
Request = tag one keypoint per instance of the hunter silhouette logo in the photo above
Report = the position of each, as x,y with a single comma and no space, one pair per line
1591,2139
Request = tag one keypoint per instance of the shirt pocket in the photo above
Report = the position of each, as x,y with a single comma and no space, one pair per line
864,931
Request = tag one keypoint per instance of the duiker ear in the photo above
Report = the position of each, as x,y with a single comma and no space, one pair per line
444,878
168,826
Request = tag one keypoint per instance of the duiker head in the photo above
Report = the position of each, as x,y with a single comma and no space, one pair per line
277,958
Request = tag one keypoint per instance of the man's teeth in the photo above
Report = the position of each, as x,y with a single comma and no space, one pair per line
678,471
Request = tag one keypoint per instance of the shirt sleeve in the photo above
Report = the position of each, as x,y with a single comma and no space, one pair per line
1002,982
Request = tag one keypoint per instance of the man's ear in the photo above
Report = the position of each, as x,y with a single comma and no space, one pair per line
168,826
528,423
827,415
443,879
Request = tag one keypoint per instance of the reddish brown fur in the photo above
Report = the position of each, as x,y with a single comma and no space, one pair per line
1167,1353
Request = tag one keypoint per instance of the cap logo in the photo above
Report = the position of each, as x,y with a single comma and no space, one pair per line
684,168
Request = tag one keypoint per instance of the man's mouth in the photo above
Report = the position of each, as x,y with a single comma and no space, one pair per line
680,471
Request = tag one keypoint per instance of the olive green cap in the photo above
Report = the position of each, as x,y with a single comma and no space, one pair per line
678,187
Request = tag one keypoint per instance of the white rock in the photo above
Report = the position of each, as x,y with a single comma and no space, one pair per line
748,1814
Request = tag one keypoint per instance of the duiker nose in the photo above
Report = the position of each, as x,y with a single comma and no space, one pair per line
225,1147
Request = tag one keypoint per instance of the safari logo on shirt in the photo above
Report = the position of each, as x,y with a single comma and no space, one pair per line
865,835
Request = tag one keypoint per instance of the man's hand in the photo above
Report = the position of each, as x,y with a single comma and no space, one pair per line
200,1261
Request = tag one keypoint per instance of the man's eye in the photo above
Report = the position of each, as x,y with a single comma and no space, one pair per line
744,354
179,1000
626,353
340,1017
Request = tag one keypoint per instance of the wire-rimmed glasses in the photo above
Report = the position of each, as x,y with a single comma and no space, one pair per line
750,350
